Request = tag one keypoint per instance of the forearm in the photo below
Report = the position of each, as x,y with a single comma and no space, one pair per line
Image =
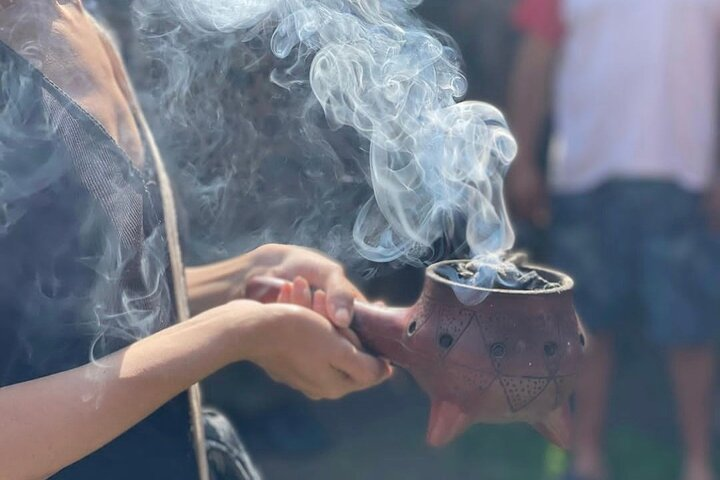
49,423
215,284
529,94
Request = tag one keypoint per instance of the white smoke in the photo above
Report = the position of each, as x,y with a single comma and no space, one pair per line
374,66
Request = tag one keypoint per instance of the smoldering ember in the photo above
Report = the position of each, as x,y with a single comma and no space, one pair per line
518,277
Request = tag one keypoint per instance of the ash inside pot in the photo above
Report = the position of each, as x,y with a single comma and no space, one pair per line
515,278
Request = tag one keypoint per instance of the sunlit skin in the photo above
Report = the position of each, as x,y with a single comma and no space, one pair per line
294,344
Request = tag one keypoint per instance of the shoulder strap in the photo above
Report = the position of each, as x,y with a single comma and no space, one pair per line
181,301
178,274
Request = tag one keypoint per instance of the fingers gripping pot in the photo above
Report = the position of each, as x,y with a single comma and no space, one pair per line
511,358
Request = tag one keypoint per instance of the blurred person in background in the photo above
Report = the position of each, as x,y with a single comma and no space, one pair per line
633,192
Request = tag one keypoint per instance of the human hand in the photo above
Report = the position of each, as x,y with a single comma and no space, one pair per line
301,349
298,292
526,193
322,273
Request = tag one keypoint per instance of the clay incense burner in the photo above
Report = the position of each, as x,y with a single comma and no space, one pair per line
511,358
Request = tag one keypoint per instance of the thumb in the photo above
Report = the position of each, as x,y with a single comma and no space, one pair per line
341,295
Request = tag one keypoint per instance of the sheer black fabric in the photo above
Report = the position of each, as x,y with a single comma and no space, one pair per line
84,267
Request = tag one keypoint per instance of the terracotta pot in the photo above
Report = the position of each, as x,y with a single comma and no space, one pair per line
511,358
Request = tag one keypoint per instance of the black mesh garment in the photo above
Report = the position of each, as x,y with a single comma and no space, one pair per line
84,266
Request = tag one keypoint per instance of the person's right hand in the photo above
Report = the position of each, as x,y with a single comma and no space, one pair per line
298,347
527,193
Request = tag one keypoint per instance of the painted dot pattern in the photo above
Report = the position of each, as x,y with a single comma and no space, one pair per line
468,380
521,392
452,325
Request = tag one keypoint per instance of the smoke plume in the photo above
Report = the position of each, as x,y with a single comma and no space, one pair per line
334,95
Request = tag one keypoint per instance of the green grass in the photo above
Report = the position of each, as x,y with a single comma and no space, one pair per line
517,453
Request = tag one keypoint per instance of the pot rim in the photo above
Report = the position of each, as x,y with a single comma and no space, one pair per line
566,282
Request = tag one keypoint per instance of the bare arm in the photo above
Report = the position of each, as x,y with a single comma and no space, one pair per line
49,423
211,285
529,98
529,93
712,196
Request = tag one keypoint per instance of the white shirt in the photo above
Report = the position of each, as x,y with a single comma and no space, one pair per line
636,94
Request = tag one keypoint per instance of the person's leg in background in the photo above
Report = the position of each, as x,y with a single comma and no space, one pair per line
681,277
582,242
591,401
693,372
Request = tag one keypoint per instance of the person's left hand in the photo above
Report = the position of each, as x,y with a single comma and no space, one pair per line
298,292
712,205
335,301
